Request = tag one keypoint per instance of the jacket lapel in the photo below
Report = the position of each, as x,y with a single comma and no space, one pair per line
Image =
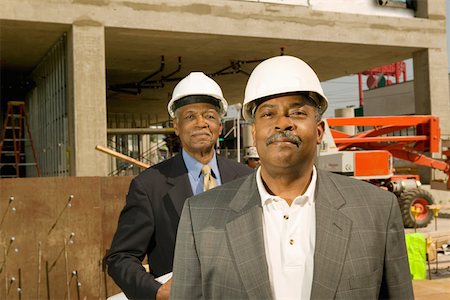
180,186
226,172
246,240
332,236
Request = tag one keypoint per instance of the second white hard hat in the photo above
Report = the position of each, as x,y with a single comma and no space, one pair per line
196,88
281,75
251,152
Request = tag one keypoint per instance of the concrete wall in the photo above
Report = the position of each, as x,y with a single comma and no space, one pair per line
393,100
396,99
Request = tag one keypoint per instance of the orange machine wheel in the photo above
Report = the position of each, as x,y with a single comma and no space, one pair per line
420,199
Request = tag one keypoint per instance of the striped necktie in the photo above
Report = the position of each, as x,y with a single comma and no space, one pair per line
208,180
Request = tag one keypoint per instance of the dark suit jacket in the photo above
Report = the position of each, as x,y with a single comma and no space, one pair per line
360,248
148,224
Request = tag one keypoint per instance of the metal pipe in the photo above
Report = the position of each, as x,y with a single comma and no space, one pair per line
11,282
47,272
19,288
122,157
238,124
161,68
38,290
11,199
360,89
66,266
78,283
63,250
104,277
11,240
118,131
174,72
68,204
6,277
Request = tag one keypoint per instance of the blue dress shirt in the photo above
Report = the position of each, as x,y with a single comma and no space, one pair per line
195,175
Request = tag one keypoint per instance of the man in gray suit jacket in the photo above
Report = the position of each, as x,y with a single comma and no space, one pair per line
290,231
148,223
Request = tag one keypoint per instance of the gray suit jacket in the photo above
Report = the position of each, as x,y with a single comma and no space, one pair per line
360,248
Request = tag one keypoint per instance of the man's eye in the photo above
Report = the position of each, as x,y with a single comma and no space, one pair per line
210,116
297,113
266,114
189,117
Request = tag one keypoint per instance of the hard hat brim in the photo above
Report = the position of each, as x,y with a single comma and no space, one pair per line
319,102
191,99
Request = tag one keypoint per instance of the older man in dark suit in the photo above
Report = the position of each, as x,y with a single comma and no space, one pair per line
148,223
290,231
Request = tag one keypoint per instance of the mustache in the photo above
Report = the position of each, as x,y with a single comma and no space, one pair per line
284,135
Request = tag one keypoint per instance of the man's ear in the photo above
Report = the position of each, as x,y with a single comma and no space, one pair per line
320,131
253,134
175,126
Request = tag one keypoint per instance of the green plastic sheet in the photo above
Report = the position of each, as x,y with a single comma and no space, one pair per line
416,245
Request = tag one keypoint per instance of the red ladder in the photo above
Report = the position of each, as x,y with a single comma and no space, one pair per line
12,145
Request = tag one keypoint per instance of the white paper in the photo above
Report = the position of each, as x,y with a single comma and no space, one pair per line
161,279
120,296
164,278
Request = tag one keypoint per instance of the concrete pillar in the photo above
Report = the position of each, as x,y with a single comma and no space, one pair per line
422,9
87,98
431,94
431,86
431,80
435,11
348,112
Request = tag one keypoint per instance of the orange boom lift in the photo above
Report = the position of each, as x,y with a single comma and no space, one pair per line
368,155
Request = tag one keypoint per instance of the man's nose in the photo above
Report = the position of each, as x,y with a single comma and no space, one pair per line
201,121
284,122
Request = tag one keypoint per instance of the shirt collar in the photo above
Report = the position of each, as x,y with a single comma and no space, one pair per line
194,167
266,196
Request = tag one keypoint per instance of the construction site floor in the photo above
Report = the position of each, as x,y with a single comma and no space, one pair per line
435,289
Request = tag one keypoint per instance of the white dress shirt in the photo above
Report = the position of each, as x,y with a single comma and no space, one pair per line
289,240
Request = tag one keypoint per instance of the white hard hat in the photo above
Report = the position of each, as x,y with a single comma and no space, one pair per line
251,152
196,88
281,75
